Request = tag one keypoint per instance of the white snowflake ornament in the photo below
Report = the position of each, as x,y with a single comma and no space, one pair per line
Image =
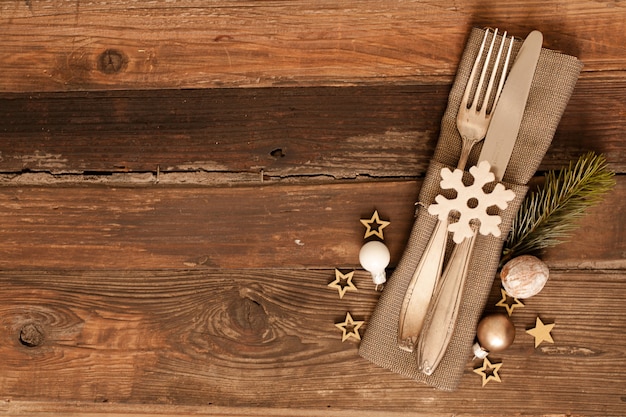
471,202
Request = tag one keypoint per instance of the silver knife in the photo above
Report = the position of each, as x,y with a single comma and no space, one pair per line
497,149
507,117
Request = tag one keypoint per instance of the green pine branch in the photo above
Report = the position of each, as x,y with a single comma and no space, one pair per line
549,215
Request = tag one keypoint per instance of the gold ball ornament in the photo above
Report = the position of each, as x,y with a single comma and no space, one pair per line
495,332
524,276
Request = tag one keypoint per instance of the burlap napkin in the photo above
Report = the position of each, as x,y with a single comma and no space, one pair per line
552,87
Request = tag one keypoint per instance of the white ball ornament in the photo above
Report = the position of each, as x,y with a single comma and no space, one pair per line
374,257
524,276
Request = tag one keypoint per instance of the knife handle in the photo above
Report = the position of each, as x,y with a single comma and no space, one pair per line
421,287
438,330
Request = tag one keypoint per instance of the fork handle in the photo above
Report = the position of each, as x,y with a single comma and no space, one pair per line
421,287
439,328
466,148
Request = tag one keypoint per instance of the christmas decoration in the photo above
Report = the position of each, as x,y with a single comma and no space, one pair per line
374,226
471,202
541,332
350,328
374,257
495,332
508,302
489,371
548,216
524,276
343,283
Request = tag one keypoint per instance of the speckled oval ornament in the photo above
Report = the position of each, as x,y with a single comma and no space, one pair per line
524,276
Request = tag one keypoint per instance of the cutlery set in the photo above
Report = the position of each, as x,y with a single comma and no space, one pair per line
491,110
513,97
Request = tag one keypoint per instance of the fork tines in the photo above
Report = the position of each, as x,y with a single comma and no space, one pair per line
492,67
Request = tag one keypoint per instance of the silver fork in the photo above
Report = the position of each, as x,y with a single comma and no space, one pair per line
472,121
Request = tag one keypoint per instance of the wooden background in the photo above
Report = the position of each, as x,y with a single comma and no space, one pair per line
179,180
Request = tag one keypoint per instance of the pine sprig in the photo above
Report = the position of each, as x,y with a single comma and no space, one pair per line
549,215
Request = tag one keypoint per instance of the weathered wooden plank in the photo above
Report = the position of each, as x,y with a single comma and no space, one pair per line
288,226
340,132
82,409
232,135
175,227
266,339
52,45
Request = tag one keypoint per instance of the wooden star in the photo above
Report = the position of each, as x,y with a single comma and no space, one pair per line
343,283
350,328
508,302
374,226
541,332
489,371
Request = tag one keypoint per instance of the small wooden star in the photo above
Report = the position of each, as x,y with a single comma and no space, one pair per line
343,283
489,371
350,328
508,302
374,226
541,332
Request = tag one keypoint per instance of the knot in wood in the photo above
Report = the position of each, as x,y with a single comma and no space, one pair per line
250,315
248,319
31,335
112,61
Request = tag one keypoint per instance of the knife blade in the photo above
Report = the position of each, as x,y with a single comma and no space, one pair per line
507,116
499,142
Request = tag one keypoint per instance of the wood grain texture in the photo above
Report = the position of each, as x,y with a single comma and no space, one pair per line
169,223
274,226
237,135
84,409
125,44
196,227
297,132
267,339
